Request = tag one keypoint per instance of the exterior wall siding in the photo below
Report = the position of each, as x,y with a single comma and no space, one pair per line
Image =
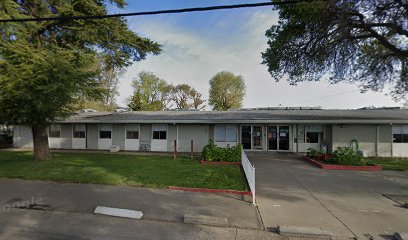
66,136
385,141
171,136
92,136
118,135
145,135
22,137
198,133
364,134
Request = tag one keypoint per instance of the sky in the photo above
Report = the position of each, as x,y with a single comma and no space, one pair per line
198,45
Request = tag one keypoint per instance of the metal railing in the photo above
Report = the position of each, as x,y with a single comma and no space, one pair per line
249,170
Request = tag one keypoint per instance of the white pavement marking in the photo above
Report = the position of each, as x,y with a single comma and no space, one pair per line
117,212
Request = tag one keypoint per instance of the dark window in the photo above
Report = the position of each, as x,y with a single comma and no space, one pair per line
312,137
159,134
105,134
400,138
132,135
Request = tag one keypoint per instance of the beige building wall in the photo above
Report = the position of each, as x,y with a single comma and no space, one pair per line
197,132
366,135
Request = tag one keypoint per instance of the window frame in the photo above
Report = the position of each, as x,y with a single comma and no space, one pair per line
314,129
161,132
49,131
100,131
80,131
402,132
133,131
225,132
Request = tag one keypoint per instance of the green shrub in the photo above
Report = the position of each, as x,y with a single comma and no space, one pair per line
314,153
346,156
213,153
341,156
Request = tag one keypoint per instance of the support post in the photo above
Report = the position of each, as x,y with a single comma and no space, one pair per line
192,149
175,149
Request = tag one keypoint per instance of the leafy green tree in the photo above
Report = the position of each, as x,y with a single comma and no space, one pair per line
150,93
226,91
186,97
362,42
46,66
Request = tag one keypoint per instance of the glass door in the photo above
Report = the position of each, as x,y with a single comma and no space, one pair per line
278,138
284,138
246,137
257,137
273,138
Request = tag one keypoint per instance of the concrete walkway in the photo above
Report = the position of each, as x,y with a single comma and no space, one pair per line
347,203
156,204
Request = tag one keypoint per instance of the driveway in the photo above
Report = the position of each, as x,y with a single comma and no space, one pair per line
347,203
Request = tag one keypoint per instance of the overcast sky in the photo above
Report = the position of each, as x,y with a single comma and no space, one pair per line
198,45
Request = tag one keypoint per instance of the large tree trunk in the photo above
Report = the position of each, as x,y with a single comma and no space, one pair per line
40,139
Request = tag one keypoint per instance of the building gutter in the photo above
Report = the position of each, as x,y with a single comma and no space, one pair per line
246,121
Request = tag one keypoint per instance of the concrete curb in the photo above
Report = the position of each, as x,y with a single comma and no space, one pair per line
207,190
301,231
342,167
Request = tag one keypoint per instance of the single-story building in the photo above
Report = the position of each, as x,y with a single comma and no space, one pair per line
378,132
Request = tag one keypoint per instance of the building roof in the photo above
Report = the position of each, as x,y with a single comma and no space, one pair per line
388,116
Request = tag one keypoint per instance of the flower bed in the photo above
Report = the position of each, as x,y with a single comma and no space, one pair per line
214,153
342,167
343,158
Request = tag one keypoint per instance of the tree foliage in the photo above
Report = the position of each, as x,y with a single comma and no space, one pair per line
226,91
186,97
363,42
46,66
154,94
150,93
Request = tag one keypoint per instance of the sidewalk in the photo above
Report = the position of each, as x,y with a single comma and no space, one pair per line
31,225
156,204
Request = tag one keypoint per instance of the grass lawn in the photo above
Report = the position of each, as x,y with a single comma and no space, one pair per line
400,164
115,169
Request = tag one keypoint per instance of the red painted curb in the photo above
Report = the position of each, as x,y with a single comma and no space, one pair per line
207,190
342,167
220,163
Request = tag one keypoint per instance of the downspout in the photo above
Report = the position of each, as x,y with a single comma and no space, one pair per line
392,142
377,140
297,140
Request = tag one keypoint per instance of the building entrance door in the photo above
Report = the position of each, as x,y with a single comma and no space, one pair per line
278,138
252,137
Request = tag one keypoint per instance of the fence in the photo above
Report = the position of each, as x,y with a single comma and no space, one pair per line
249,170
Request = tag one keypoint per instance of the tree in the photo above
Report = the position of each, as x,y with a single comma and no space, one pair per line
150,93
198,102
226,91
108,79
355,41
46,66
186,97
